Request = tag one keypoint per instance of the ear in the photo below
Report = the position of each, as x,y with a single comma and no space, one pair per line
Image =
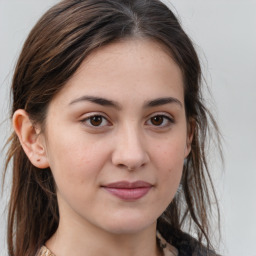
31,140
190,136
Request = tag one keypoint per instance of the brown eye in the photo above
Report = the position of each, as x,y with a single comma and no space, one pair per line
157,120
96,120
160,121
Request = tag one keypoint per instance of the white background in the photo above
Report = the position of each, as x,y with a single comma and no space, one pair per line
224,32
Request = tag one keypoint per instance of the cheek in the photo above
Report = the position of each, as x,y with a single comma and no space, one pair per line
170,155
75,160
169,159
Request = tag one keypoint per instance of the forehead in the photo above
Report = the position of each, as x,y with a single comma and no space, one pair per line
130,68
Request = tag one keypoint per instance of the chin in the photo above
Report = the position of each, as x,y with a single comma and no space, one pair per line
128,225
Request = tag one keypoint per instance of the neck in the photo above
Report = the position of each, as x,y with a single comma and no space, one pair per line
72,238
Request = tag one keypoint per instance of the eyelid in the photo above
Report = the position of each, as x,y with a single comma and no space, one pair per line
161,113
165,115
87,117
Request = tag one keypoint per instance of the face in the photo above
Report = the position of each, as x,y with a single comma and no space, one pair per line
116,137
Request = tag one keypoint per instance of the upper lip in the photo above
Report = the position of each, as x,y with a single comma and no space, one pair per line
127,184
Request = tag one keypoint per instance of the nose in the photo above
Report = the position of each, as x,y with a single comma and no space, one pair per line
130,152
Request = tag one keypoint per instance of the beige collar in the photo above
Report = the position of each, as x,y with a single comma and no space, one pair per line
168,249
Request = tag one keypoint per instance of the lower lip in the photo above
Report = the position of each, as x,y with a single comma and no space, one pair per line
128,193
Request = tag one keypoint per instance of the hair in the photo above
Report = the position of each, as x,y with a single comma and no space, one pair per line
57,45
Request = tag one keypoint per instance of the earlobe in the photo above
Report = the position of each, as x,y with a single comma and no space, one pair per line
30,139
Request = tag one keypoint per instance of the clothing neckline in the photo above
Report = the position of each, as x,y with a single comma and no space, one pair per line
167,248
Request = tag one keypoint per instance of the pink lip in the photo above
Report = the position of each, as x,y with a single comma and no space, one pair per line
128,190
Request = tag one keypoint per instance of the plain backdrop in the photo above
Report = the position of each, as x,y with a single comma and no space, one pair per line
224,33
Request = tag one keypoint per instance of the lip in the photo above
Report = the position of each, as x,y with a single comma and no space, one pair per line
128,190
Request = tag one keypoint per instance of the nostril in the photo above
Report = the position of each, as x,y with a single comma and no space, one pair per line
129,168
121,166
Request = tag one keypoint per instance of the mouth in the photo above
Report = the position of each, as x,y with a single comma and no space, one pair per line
129,191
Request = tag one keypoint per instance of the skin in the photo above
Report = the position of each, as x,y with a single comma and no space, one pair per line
132,140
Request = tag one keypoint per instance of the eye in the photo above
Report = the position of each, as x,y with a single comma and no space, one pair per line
95,121
160,121
157,120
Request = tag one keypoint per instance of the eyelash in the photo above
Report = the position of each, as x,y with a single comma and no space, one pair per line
88,121
165,121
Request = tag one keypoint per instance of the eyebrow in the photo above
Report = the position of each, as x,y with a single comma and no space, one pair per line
162,101
97,100
110,103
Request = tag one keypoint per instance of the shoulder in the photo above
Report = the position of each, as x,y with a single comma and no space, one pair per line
44,251
186,244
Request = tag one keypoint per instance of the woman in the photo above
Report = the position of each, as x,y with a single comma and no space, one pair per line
108,149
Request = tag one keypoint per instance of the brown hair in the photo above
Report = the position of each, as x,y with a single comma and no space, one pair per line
53,51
